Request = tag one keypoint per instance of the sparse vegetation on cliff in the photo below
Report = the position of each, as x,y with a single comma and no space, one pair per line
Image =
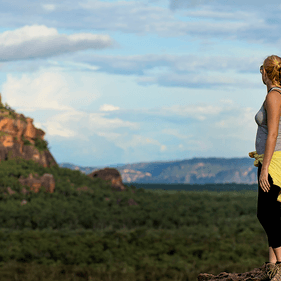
41,145
9,112
25,141
3,134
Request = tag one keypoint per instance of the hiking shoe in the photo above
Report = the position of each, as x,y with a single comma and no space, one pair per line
276,272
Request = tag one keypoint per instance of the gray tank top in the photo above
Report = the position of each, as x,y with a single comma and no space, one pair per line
261,120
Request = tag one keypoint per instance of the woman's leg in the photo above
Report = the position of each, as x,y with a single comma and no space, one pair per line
272,257
269,214
277,252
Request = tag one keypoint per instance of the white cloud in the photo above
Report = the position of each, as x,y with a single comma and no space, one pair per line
45,90
26,33
41,91
109,107
39,41
54,128
54,97
98,122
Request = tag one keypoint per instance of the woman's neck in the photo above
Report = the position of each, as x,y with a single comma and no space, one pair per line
269,86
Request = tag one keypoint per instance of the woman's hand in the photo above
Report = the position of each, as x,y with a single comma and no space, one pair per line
263,181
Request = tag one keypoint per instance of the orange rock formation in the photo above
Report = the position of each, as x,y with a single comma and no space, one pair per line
109,174
14,128
35,182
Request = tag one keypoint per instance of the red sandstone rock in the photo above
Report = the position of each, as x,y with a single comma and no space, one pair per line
109,174
12,145
254,275
30,131
35,182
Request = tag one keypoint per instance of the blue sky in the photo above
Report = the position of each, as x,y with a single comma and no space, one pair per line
138,81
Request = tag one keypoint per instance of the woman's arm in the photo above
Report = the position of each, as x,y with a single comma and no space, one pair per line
273,109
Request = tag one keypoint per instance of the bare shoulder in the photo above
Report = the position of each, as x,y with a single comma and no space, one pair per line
273,99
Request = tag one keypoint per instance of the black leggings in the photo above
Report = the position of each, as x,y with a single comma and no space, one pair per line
269,212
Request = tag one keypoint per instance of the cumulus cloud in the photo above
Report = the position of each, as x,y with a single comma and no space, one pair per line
46,90
39,41
53,95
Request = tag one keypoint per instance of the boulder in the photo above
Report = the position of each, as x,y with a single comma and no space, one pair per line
35,182
254,275
109,174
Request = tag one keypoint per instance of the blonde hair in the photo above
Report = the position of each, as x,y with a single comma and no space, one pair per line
272,67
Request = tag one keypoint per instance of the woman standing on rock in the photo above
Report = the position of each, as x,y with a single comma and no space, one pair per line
268,161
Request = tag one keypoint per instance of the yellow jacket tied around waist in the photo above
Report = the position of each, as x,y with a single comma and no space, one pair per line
274,168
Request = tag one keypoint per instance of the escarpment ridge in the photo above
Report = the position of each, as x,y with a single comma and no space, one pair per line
20,138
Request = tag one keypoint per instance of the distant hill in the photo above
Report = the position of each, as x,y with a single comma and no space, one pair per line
191,171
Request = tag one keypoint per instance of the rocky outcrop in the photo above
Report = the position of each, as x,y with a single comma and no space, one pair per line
109,174
35,182
256,274
18,138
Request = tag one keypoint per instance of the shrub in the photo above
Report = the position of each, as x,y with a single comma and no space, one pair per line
40,144
25,141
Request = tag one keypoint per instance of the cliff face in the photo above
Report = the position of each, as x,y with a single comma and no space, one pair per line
193,171
19,138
